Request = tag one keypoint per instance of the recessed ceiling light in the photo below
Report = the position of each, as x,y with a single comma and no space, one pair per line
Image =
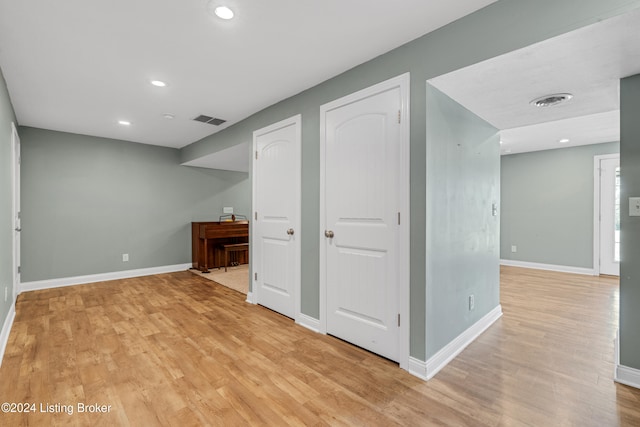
124,122
549,100
158,83
223,12
168,116
563,140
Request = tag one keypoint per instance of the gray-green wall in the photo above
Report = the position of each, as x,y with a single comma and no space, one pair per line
547,205
629,226
462,234
88,200
7,116
499,28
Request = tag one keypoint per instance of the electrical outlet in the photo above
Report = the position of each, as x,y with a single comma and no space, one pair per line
227,210
125,257
472,302
514,248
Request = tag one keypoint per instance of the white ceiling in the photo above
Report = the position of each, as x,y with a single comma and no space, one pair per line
80,66
588,63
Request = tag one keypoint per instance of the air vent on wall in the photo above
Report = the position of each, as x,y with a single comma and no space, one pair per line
208,119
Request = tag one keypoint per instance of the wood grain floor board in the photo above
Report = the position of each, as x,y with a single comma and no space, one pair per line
179,350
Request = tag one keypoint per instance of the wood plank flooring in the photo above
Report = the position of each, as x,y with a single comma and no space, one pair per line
179,350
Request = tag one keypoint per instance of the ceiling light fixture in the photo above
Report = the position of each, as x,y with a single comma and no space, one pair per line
158,83
223,12
563,140
168,116
549,100
124,122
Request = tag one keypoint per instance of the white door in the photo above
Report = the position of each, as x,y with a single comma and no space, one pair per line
364,186
276,227
15,147
610,216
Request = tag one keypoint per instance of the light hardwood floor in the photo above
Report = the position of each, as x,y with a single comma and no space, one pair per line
179,350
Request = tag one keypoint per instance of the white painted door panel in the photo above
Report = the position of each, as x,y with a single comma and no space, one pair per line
362,149
277,225
610,216
17,225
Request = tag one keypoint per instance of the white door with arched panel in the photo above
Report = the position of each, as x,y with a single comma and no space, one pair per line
364,218
276,233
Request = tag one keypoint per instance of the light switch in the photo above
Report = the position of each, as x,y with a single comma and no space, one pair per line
227,210
634,206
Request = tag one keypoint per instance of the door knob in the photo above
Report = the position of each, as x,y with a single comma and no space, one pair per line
290,232
18,229
328,233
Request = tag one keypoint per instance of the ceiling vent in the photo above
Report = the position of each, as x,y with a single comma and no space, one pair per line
208,119
549,100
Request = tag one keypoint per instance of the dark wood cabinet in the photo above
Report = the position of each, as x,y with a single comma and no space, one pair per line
209,238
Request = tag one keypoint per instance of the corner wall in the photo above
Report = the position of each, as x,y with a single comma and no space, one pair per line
88,200
629,226
463,184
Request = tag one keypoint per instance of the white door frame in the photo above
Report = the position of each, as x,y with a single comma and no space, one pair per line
254,296
402,82
596,208
15,209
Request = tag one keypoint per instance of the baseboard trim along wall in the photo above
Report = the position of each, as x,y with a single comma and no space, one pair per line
627,376
250,298
6,330
308,322
549,267
427,370
624,374
102,277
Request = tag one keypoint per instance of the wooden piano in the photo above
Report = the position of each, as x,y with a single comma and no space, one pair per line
208,238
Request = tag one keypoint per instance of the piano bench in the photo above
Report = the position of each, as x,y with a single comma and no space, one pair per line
236,247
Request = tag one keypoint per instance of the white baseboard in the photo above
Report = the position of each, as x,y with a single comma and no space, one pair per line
418,368
308,322
624,374
451,350
627,376
549,267
251,299
102,277
6,330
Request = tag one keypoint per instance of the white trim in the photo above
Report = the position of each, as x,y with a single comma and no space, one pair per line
15,207
296,121
250,298
102,277
6,330
549,267
308,322
418,368
624,374
402,81
596,208
627,376
455,347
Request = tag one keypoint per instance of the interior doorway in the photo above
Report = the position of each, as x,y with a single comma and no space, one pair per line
606,216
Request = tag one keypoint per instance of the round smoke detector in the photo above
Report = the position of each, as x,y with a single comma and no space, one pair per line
549,100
